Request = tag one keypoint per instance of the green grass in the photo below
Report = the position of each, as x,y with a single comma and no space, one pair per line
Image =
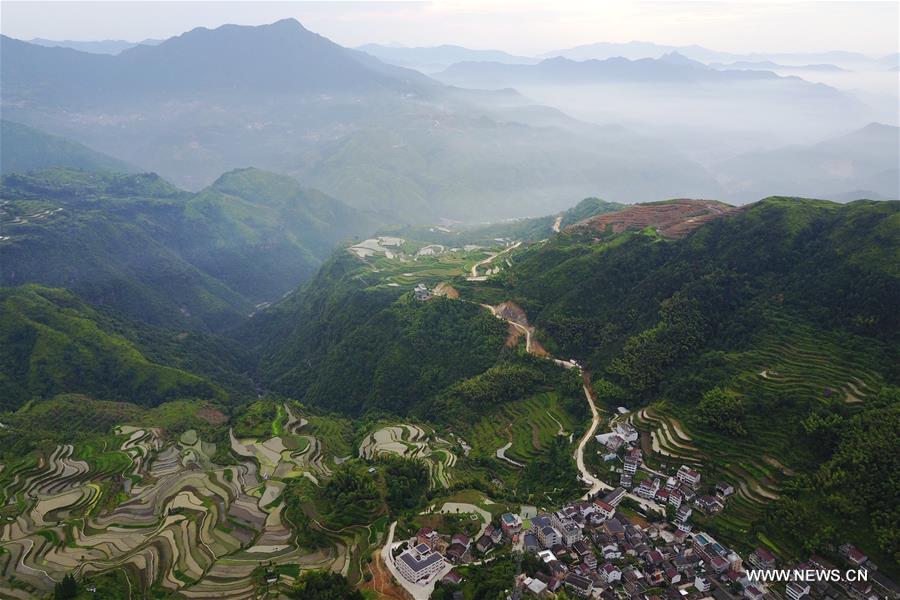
530,420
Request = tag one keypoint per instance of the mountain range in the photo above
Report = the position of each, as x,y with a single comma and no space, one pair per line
378,137
140,246
431,59
636,50
861,164
94,46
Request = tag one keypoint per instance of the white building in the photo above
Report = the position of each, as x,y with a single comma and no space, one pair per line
796,590
419,564
689,476
627,431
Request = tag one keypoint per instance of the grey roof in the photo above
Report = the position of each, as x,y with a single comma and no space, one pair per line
582,583
418,565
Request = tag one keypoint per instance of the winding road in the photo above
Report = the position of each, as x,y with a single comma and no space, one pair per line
475,277
586,476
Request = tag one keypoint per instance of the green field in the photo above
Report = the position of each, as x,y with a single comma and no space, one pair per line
530,424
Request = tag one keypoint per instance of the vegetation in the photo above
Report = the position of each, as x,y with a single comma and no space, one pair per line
324,585
354,349
53,343
26,149
406,482
163,256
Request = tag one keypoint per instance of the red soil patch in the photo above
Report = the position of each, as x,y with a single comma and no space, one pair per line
212,416
512,312
445,289
382,583
514,333
673,219
537,349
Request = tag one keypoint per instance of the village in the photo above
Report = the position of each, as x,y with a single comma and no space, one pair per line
614,546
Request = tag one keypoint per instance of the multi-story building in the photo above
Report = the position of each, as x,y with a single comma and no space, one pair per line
419,564
549,536
689,476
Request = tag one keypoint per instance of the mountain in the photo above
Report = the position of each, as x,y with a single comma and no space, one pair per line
380,137
149,250
751,328
94,46
670,68
54,343
864,162
636,50
23,148
431,59
631,50
768,65
202,59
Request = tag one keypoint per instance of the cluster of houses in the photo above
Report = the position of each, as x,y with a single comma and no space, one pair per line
430,552
681,491
591,549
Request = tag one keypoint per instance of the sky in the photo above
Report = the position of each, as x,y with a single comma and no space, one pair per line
528,27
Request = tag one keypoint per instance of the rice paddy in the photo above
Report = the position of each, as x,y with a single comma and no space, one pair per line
162,514
416,443
527,425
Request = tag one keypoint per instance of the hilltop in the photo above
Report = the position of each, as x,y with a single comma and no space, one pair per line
671,219
143,247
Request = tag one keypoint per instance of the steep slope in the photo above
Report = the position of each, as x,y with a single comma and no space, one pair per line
378,136
860,164
53,343
344,347
768,333
213,61
167,257
24,148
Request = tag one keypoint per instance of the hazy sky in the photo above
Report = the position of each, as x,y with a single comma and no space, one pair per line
527,27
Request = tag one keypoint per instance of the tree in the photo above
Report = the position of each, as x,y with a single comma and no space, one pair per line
66,589
723,409
324,585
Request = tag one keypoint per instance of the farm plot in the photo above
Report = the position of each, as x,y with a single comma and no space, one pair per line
810,364
159,511
413,442
526,425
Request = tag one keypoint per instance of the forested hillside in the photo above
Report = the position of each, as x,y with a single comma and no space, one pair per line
53,343
769,331
23,148
139,245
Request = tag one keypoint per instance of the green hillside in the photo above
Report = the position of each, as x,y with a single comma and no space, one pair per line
765,336
345,346
53,343
769,337
23,148
137,244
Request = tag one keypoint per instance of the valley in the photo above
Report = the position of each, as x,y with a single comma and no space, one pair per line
198,506
283,317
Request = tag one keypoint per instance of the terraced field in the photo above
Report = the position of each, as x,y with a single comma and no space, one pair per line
804,365
528,425
410,263
163,513
413,442
757,478
798,364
